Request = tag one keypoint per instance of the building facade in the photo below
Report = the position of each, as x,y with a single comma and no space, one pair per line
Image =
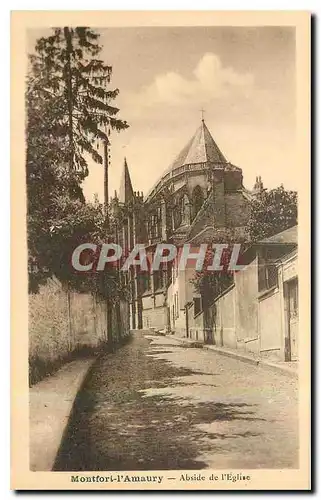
258,313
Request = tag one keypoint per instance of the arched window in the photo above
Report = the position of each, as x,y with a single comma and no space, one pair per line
177,214
197,200
154,223
181,211
185,210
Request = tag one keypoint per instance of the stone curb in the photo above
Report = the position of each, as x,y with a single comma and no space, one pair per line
51,402
242,357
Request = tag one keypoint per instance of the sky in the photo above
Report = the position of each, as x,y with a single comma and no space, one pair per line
244,79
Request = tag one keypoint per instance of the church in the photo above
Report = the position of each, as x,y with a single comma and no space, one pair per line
200,197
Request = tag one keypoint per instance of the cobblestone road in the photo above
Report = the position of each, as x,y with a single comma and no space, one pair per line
155,404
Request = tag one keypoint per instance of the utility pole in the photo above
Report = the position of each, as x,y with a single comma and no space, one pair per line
106,199
106,166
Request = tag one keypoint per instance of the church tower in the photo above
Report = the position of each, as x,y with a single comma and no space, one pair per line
129,211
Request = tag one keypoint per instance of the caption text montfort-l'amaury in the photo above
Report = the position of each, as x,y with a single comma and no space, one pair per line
126,478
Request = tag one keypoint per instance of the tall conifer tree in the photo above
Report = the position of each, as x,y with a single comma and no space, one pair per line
69,114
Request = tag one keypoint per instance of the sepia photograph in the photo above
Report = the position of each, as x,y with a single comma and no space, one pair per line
165,190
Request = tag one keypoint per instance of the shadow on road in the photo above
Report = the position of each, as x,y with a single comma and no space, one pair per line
115,425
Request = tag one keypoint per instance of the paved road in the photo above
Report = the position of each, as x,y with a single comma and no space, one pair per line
158,405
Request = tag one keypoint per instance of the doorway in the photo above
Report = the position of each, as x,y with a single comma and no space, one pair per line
292,320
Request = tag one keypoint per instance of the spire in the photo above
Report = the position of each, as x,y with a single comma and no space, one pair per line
126,189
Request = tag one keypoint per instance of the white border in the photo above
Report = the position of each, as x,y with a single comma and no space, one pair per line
313,6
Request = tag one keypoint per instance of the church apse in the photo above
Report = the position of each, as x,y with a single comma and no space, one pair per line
200,193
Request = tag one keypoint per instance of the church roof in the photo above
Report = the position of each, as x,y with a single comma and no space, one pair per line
200,149
126,192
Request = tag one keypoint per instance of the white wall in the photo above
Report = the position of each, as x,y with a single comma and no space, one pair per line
154,313
246,284
270,324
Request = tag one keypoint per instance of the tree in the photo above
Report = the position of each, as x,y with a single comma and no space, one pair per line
210,284
272,212
75,223
68,115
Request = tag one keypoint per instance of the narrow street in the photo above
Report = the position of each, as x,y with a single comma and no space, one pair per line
155,404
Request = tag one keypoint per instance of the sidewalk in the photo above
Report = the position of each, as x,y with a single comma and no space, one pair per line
50,403
288,368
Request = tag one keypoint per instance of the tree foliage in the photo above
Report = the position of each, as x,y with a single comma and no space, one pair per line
271,212
68,79
76,223
209,284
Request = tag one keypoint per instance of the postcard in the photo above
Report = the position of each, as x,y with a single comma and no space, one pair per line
160,167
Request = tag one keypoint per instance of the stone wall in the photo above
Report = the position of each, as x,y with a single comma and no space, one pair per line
237,209
63,322
49,334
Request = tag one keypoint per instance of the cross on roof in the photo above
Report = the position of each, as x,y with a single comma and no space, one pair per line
202,112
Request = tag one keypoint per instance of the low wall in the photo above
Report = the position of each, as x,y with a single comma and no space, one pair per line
216,325
154,313
49,333
62,322
155,318
242,318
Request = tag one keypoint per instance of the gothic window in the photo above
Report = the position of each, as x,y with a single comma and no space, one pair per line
177,215
185,210
197,200
169,219
145,281
154,224
159,222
